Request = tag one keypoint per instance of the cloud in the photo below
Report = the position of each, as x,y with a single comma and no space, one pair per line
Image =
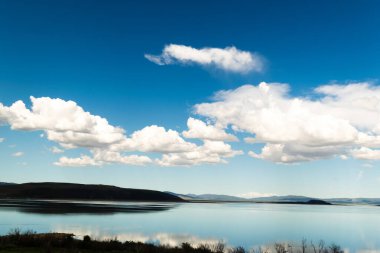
69,125
81,161
18,154
332,121
102,157
210,152
200,130
2,140
229,59
365,153
335,120
156,139
116,157
63,121
292,153
56,150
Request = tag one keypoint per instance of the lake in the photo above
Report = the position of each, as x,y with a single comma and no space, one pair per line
354,228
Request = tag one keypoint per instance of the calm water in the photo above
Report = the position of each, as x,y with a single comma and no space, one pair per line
355,228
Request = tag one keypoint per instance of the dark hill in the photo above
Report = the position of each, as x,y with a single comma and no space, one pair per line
309,202
82,192
317,202
3,183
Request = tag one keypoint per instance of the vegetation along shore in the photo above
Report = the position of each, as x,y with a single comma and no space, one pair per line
31,242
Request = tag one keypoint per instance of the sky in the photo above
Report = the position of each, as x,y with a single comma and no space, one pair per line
245,98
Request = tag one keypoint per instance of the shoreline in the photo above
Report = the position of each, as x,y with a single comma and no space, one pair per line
32,242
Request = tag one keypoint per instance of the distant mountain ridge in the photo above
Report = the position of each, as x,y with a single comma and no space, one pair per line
287,198
70,191
367,201
279,199
221,197
216,197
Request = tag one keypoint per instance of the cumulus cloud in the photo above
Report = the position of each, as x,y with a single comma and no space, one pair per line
157,139
292,152
210,152
332,121
200,130
340,120
69,125
81,161
63,121
229,59
116,157
101,157
2,140
366,153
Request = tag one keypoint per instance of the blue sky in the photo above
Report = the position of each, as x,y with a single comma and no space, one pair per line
92,52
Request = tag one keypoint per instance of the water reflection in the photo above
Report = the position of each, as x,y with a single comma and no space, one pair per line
241,224
162,238
176,240
72,207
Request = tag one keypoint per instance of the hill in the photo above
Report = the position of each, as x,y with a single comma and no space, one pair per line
81,192
355,201
3,183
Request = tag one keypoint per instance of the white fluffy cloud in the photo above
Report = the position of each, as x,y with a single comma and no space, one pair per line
67,124
333,121
366,153
291,152
200,130
101,157
81,161
228,59
210,152
63,121
339,120
115,157
157,139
